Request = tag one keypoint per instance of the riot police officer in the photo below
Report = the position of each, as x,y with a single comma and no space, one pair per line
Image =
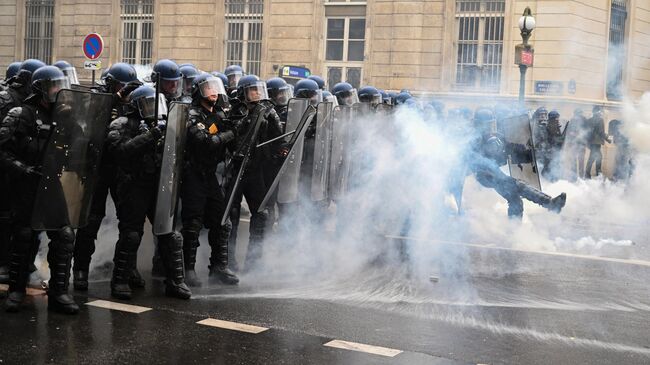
279,94
318,80
233,73
253,96
120,80
68,70
370,94
555,141
167,73
24,135
189,72
12,70
489,151
202,196
18,89
346,95
136,143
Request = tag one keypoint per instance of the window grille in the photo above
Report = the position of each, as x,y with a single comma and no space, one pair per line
480,25
38,30
244,34
137,31
616,56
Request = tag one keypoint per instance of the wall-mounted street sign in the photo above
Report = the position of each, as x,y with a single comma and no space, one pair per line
295,71
549,87
92,46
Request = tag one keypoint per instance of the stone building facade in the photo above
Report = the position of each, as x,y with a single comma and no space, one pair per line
453,49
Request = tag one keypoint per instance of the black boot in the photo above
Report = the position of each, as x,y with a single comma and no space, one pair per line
190,246
157,266
191,278
20,249
80,280
255,240
125,249
219,271
59,258
171,252
557,203
136,281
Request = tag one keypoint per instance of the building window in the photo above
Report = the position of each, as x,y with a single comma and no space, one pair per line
479,44
137,31
39,25
616,52
344,50
244,34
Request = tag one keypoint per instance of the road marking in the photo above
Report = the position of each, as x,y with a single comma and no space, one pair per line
241,327
548,253
360,347
30,291
118,306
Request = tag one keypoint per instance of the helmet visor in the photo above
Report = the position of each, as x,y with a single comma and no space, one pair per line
71,74
211,88
233,78
282,96
147,107
373,99
331,99
187,85
348,98
51,87
256,92
171,88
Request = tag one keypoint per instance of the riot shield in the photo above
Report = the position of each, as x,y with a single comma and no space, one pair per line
384,109
293,144
289,179
170,171
339,156
518,130
322,152
71,159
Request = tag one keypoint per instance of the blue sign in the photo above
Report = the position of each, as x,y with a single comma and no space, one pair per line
93,45
549,87
295,71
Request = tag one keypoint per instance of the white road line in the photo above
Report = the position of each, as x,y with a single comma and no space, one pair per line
548,253
118,306
241,327
360,347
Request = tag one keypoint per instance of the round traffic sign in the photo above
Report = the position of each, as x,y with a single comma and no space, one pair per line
93,46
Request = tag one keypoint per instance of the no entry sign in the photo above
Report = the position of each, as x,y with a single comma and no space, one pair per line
93,46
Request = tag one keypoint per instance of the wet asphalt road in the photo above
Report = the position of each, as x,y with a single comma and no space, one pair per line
511,307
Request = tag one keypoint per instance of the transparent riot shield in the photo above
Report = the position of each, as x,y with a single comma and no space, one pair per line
289,180
171,169
339,156
71,159
322,152
522,167
289,163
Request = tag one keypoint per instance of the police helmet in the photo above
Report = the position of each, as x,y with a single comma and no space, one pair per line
251,89
143,99
47,81
319,80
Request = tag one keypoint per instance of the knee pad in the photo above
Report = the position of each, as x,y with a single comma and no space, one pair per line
131,238
66,235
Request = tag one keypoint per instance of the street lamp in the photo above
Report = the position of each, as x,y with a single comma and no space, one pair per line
524,52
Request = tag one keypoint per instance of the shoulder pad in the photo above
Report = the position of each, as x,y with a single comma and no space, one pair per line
118,123
5,97
15,112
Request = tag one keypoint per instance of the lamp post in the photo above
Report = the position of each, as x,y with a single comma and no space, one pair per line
524,52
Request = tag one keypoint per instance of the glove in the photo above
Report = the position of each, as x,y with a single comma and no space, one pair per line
63,110
161,125
284,150
32,171
143,128
128,88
